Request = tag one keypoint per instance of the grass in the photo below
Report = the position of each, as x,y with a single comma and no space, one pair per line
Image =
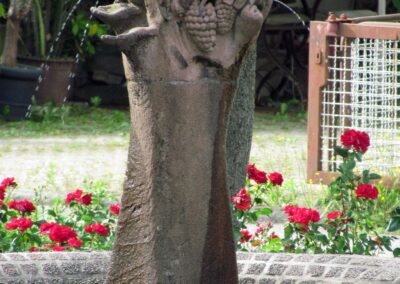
76,121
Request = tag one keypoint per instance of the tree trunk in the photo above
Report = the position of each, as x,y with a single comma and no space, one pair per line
9,56
181,65
240,126
18,9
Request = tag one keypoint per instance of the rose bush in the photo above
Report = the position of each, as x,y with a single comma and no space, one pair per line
347,225
83,220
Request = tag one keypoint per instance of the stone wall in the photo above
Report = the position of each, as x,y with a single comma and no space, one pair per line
91,267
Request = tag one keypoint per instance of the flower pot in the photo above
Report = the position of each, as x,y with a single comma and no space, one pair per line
17,86
56,79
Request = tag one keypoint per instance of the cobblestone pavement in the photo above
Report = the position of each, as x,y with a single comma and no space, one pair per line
254,268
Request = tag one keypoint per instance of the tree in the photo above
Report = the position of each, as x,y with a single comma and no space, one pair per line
17,10
182,61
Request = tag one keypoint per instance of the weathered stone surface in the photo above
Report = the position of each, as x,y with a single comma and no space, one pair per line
182,76
254,270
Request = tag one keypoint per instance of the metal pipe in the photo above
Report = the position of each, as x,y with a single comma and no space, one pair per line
380,18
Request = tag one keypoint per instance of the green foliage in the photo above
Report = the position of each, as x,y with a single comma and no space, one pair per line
75,215
396,3
70,120
394,222
3,12
95,101
85,29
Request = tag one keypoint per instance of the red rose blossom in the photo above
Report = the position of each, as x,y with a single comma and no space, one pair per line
75,243
9,181
78,196
58,248
46,227
276,178
22,224
273,236
334,215
22,206
246,235
301,215
60,234
242,200
367,191
256,175
86,199
359,140
115,208
97,228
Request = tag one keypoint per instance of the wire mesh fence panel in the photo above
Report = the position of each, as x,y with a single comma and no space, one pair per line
361,91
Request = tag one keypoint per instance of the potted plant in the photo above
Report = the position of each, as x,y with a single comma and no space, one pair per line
17,83
54,40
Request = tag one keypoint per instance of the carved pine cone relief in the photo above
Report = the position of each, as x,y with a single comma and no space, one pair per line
225,16
201,25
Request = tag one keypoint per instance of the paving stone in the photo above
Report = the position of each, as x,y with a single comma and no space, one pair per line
10,269
243,256
78,256
58,256
304,258
55,281
295,270
276,269
37,281
371,274
247,281
315,270
324,259
3,258
387,276
283,258
262,257
38,256
71,268
341,260
334,272
95,267
354,272
256,268
308,282
16,257
95,280
288,281
267,281
240,267
51,269
16,281
30,269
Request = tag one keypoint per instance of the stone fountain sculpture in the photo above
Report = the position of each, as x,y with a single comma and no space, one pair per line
181,59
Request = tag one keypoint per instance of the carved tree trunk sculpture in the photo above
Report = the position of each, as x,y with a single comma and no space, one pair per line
181,61
17,11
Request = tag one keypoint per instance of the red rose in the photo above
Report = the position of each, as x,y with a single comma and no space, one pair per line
75,243
97,228
86,199
46,227
1,202
273,236
301,215
9,181
58,248
115,208
256,175
359,140
73,196
367,191
246,235
60,234
33,249
242,200
22,224
276,178
260,229
334,215
22,206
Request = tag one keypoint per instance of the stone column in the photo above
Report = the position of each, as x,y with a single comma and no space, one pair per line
182,60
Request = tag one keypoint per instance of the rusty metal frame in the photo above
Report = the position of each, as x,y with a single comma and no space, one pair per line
321,33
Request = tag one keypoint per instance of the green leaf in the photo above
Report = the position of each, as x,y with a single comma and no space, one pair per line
343,152
365,176
394,224
264,211
2,11
396,252
374,176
